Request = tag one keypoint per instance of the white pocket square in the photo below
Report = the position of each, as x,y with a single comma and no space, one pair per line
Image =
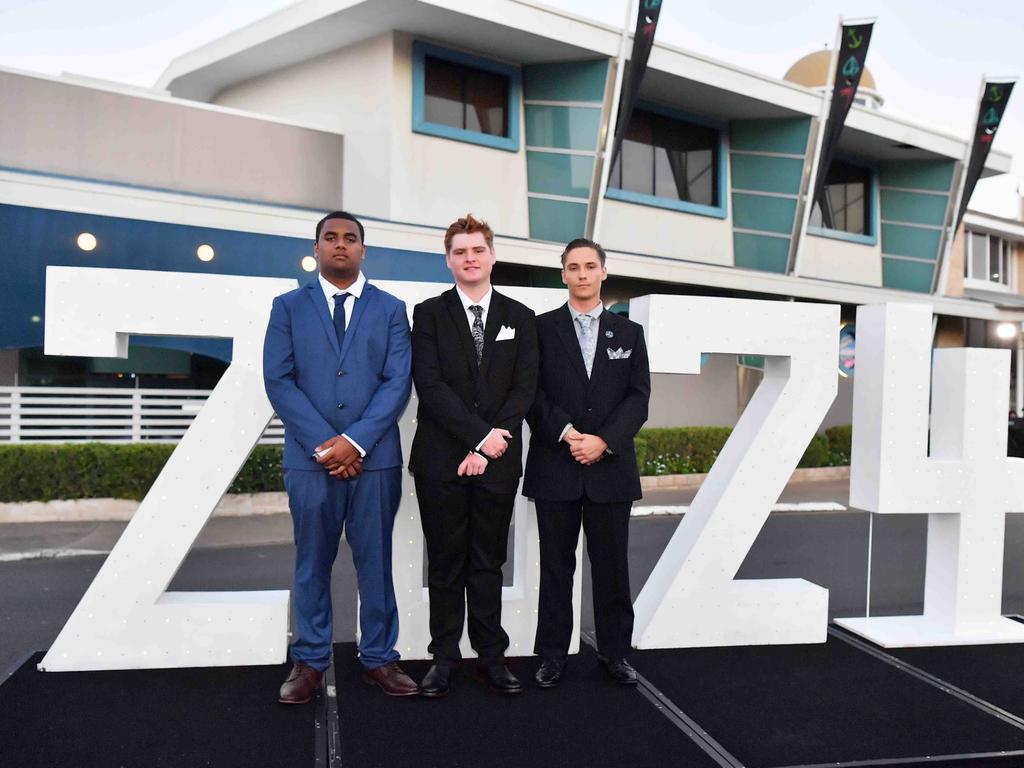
618,354
505,334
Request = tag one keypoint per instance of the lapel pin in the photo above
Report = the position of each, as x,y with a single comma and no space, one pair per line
609,334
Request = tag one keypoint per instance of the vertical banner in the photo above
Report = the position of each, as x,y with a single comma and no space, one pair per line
994,96
853,50
643,41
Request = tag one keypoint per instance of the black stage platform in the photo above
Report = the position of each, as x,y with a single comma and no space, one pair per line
168,718
842,704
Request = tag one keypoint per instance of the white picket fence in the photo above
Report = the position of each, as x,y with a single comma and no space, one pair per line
82,414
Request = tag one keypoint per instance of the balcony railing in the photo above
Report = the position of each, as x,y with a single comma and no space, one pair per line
80,414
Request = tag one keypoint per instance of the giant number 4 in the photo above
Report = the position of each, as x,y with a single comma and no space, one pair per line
127,619
691,598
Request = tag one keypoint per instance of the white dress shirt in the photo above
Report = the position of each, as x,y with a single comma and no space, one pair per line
484,302
355,291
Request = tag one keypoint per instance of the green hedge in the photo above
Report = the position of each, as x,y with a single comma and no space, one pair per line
105,470
839,438
126,471
682,450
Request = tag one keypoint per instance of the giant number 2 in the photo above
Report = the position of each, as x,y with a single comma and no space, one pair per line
127,619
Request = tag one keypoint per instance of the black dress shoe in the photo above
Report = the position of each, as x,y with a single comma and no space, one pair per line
500,679
550,673
619,670
437,682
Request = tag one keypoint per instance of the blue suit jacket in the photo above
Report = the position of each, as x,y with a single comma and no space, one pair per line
320,391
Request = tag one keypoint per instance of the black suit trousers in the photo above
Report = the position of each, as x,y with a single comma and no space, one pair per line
465,525
607,530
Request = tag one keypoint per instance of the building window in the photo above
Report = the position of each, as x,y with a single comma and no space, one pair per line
847,201
987,259
464,97
668,159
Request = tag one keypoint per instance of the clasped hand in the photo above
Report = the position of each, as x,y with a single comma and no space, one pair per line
586,449
342,460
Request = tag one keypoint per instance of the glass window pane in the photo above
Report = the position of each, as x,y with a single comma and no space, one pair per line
442,92
668,158
664,177
979,256
486,101
637,167
700,176
846,193
995,271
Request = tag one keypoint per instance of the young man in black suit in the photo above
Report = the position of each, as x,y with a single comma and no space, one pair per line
474,363
591,401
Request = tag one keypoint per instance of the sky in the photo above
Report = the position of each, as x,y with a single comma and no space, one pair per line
927,56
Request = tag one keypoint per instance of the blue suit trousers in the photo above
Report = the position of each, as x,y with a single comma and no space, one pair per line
364,508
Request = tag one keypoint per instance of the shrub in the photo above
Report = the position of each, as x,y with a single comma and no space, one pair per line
840,438
106,470
816,454
698,446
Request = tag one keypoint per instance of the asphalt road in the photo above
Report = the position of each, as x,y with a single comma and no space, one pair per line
830,549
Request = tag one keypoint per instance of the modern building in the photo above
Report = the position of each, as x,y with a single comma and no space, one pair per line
410,113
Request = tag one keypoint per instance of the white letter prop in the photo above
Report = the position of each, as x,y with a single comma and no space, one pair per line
127,620
691,598
965,486
519,601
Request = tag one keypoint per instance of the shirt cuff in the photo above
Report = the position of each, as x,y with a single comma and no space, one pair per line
477,449
565,429
362,453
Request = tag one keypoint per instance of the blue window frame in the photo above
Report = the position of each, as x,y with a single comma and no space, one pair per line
850,192
670,159
463,97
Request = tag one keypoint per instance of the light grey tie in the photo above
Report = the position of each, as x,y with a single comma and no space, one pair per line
587,341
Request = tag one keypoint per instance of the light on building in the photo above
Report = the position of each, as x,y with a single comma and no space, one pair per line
309,263
86,241
205,252
1006,330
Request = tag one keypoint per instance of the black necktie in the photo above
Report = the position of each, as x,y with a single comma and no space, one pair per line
478,331
339,317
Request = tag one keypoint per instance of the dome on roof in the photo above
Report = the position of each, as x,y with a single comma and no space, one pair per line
814,71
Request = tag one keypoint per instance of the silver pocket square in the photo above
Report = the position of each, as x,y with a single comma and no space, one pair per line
618,354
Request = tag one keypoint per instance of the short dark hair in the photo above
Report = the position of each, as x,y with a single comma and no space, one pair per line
341,215
583,242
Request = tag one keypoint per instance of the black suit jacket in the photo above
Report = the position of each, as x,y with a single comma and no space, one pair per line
612,404
459,402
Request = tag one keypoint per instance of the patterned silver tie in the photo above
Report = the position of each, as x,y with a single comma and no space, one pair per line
478,331
587,345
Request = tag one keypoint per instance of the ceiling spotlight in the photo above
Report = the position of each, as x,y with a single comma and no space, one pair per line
86,241
309,263
205,252
1006,330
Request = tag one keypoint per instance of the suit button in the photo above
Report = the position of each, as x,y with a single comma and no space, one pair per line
476,405
588,409
341,405
341,373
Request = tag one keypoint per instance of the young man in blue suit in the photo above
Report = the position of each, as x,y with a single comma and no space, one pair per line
336,364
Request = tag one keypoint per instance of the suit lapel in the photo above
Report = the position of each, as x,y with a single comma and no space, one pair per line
566,332
358,310
459,319
316,295
497,314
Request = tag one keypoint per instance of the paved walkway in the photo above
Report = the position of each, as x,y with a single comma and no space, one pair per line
31,540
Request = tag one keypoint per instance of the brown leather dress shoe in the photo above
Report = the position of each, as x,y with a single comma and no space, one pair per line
303,681
392,680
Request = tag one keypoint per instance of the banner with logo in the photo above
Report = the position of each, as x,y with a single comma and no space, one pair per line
853,50
990,113
643,41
